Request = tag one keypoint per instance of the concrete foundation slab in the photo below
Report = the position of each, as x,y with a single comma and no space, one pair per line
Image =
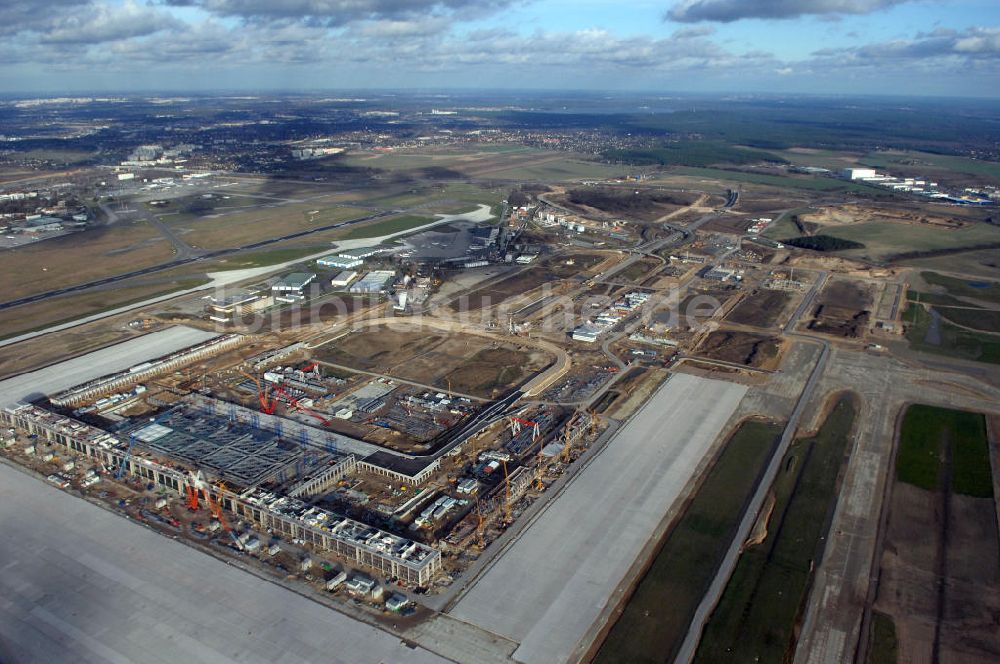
79,584
549,588
80,369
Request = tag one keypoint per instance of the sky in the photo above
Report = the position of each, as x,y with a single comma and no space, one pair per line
896,47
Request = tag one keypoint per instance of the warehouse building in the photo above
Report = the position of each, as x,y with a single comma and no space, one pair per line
362,252
344,279
289,288
227,308
340,262
587,333
376,281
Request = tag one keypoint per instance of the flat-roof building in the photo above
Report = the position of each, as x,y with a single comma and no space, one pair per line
340,262
858,173
362,252
587,333
225,308
344,279
376,281
289,288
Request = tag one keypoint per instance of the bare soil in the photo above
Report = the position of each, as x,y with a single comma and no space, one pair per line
761,308
843,309
911,590
753,350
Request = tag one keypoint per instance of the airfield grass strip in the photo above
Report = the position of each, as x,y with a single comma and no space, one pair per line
925,430
656,618
756,616
884,645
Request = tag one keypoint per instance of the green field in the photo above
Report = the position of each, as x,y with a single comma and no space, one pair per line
268,257
923,297
925,430
561,170
386,226
261,223
657,616
692,153
883,239
913,161
954,342
984,320
883,646
756,617
806,182
66,308
989,292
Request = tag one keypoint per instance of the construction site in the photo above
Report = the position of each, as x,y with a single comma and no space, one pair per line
506,420
306,465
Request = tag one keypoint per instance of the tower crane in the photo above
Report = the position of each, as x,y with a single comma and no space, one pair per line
506,502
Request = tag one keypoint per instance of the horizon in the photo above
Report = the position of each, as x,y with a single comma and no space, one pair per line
851,47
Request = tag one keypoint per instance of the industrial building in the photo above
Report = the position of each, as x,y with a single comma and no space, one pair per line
289,288
340,262
376,281
587,333
365,545
857,173
362,252
343,279
229,307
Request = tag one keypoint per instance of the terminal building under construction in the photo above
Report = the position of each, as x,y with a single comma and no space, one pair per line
283,513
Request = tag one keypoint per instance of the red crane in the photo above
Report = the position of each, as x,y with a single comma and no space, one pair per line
267,404
297,405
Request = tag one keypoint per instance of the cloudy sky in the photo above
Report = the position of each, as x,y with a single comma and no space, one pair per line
920,47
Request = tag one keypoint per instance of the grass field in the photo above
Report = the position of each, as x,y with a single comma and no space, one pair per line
783,226
925,430
65,308
923,297
883,647
806,182
762,603
885,238
563,169
984,320
440,197
501,162
656,618
915,162
79,257
386,226
267,257
987,291
954,341
833,160
245,227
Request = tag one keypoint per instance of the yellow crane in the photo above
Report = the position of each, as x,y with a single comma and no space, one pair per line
480,526
567,437
506,502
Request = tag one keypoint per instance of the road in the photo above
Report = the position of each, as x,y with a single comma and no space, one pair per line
714,593
846,578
